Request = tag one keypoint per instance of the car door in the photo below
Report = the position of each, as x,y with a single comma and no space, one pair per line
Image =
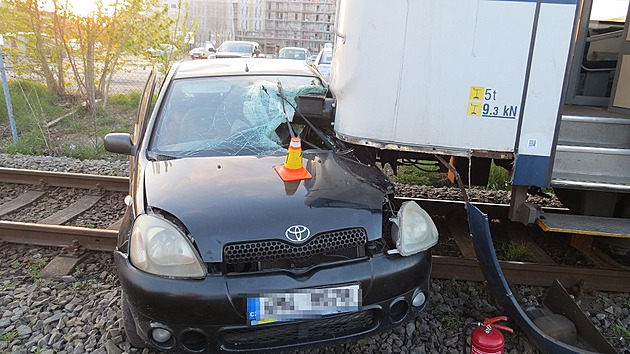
144,113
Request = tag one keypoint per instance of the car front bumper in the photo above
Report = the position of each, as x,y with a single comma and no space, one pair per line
209,314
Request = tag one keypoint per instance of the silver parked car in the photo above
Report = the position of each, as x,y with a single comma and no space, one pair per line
295,53
238,49
322,62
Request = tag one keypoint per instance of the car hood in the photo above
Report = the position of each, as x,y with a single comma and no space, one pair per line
233,55
235,199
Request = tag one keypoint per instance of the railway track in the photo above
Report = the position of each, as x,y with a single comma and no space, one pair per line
458,263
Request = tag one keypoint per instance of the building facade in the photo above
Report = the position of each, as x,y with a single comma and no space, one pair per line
216,20
272,23
296,23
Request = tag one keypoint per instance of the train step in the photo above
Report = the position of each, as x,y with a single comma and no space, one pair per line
585,225
591,168
604,132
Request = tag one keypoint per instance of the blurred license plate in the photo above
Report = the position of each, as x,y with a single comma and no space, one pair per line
302,304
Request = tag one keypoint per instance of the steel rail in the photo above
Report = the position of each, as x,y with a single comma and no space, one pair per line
524,273
121,184
443,267
448,207
64,179
58,235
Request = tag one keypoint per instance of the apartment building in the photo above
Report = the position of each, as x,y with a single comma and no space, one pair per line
295,23
272,23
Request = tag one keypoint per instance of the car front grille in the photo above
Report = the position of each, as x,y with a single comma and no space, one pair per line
269,336
342,244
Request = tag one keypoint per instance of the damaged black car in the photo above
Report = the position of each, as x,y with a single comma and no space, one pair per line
250,227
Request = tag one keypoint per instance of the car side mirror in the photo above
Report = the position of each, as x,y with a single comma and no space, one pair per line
119,143
257,52
212,50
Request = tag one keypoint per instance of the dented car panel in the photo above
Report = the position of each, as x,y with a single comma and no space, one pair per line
219,198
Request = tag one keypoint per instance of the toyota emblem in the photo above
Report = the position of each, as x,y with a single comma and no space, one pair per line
298,233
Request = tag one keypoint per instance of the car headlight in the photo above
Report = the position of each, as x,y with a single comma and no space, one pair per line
161,248
413,230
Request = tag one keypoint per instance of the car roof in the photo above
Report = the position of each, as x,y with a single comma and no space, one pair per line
241,66
244,42
295,48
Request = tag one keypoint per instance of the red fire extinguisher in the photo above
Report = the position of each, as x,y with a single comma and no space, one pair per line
487,337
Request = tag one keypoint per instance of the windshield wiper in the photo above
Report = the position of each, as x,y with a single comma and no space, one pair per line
286,117
154,156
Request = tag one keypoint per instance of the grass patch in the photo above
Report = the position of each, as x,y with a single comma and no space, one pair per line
9,285
451,322
451,288
39,350
32,105
32,102
428,174
35,269
9,336
129,101
78,135
620,330
83,285
519,252
499,178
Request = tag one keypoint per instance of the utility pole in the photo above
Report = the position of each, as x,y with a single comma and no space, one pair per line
7,98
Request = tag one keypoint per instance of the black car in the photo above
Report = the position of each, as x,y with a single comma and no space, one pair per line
219,251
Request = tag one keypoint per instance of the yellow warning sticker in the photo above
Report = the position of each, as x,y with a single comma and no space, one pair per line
484,101
476,93
474,108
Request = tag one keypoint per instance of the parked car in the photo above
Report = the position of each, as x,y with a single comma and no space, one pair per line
322,62
238,49
202,53
295,53
217,252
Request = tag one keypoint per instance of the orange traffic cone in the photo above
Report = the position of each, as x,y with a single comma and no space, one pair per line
292,170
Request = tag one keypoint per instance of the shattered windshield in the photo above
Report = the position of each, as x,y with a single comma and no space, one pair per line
227,116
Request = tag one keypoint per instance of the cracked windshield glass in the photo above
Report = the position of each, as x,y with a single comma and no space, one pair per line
228,116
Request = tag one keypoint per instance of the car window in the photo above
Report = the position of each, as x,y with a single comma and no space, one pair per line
237,47
144,109
292,54
227,116
326,58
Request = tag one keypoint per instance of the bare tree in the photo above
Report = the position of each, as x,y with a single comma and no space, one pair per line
94,45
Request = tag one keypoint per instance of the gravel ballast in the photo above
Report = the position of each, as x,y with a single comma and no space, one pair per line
80,313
